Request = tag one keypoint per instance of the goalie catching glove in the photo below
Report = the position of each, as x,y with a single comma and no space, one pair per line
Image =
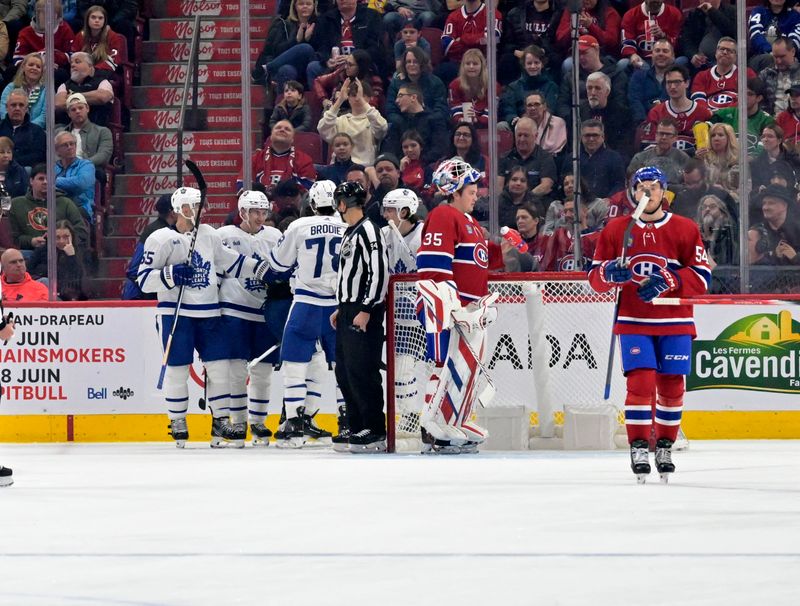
660,282
614,272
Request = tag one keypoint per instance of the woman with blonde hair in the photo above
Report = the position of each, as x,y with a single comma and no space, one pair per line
721,157
100,41
30,78
468,94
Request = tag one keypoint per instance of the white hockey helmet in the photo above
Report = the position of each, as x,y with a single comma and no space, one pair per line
183,196
402,198
254,199
453,174
321,195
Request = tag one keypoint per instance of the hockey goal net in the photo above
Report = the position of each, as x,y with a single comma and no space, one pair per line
548,349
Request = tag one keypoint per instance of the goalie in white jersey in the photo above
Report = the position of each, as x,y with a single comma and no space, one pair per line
164,270
246,332
310,246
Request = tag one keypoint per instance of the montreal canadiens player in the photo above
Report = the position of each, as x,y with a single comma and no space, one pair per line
665,255
310,247
164,270
243,323
453,267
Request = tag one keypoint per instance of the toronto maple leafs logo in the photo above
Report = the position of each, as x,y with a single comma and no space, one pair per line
400,267
202,271
253,284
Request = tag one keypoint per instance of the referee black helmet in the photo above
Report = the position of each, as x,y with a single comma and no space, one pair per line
352,193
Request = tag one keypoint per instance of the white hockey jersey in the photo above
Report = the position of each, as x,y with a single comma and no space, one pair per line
243,297
211,258
310,245
402,252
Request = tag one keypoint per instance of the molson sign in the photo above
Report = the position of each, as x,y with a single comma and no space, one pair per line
757,352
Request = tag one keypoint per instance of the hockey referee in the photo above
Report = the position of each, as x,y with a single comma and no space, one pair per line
361,290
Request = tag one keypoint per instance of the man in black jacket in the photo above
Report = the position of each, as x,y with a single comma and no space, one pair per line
414,116
702,30
30,141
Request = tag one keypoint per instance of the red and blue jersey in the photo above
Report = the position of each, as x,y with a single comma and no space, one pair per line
672,243
463,31
717,90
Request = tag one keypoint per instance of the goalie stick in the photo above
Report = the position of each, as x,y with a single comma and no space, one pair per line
201,185
626,242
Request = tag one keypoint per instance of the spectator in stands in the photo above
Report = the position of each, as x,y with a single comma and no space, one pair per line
364,123
602,167
358,173
384,177
597,208
74,175
721,157
413,172
280,161
341,159
769,23
719,231
17,282
598,105
789,119
515,194
414,116
400,13
166,218
774,158
597,20
465,144
782,75
782,231
663,154
416,69
468,93
644,24
512,101
695,187
347,27
647,87
122,16
293,108
529,224
69,269
529,23
106,46
287,49
14,16
97,91
358,65
539,164
757,119
559,252
685,111
12,173
30,141
29,78
410,36
589,61
31,40
718,85
94,142
702,30
465,28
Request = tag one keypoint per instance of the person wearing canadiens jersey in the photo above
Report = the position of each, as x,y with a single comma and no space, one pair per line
665,256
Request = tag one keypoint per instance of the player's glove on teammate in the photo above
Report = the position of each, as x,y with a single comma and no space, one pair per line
660,282
179,274
614,272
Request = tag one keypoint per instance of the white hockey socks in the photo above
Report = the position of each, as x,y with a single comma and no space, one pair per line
258,392
294,386
218,387
238,388
176,391
315,376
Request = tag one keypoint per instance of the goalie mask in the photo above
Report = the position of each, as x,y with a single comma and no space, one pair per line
352,193
453,174
400,199
184,196
321,195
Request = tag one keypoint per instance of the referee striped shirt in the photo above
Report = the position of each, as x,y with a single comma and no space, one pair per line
363,266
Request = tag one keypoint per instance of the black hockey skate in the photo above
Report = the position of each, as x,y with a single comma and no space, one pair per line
664,463
341,441
290,434
6,478
431,445
367,441
640,460
313,434
224,433
179,431
261,434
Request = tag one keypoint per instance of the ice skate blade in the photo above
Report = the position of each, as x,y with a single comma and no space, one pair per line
291,443
180,443
318,442
5,482
375,447
222,443
641,478
341,447
260,442
664,476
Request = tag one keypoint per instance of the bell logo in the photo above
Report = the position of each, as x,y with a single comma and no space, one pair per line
97,394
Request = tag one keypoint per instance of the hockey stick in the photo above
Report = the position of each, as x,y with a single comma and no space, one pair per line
727,300
201,184
626,241
262,356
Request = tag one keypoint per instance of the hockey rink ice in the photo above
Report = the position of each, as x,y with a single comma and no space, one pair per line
147,524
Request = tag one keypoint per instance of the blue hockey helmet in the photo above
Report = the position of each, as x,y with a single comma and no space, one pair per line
648,173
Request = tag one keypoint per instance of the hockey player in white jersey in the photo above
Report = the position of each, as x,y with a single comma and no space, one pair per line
243,323
164,270
403,235
310,245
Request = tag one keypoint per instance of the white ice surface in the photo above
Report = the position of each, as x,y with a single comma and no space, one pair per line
147,524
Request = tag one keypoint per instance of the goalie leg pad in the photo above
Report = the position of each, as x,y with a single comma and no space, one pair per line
669,406
176,391
238,387
218,387
638,407
294,386
436,302
258,392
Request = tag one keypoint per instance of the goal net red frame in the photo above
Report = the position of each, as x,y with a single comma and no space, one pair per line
547,355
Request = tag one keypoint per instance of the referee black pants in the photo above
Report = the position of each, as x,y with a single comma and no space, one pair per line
358,359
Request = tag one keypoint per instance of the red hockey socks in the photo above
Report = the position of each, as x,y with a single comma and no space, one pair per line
669,406
638,403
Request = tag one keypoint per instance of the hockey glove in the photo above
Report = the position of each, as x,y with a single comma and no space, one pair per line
179,274
613,272
660,282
